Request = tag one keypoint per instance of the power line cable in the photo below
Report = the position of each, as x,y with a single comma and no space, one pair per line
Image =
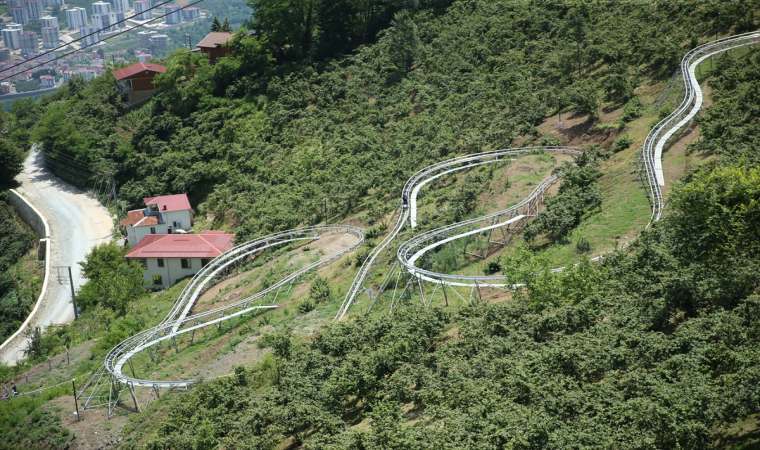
69,160
119,33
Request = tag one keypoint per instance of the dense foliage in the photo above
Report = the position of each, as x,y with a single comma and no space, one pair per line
16,239
578,195
11,161
260,140
114,281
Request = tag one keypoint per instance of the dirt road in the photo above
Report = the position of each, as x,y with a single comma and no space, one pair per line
77,223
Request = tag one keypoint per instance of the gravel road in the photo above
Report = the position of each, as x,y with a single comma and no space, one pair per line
77,223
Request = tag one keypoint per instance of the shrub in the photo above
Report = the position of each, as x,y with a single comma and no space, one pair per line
492,267
582,246
632,110
361,255
622,143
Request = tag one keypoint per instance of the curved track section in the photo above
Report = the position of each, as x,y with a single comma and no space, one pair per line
180,320
411,190
649,163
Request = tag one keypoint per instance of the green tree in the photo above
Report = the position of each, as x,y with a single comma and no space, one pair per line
114,282
402,40
11,161
215,25
290,25
226,27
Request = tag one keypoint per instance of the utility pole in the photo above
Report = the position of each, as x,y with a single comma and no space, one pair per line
115,198
559,112
76,404
73,295
325,211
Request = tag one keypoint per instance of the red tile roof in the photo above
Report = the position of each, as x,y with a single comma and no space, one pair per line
182,246
137,68
133,217
213,232
172,202
149,220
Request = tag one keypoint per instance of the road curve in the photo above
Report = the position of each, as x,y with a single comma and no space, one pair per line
77,223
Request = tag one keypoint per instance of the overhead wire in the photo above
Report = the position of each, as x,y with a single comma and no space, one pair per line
118,33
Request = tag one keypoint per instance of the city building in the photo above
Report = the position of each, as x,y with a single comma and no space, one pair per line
213,45
160,40
135,83
49,21
120,5
90,35
173,14
144,57
76,18
120,20
5,54
12,36
52,3
144,37
142,10
5,87
36,9
191,13
47,81
162,215
67,74
28,42
49,37
20,15
168,258
101,8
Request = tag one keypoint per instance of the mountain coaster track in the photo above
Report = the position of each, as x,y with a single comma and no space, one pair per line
180,320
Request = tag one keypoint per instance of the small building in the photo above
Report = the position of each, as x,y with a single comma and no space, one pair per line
171,257
136,82
159,40
47,81
212,45
162,215
5,54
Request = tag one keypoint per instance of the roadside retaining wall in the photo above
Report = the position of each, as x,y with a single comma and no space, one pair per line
36,220
29,214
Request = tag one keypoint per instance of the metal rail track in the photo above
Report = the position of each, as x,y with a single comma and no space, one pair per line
180,320
650,160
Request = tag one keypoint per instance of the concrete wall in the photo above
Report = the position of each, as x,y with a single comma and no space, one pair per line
36,220
29,214
172,270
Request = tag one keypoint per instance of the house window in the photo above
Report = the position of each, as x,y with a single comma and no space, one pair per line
178,224
185,263
160,262
157,279
204,262
152,230
143,262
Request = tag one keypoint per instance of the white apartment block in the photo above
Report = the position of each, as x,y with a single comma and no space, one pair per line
90,35
174,14
11,37
49,37
49,21
36,9
142,10
120,5
76,18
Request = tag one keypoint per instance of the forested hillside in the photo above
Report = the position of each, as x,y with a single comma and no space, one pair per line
655,347
259,141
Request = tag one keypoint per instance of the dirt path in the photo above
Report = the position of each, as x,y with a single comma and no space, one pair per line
77,223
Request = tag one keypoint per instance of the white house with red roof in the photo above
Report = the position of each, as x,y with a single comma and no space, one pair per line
175,256
162,215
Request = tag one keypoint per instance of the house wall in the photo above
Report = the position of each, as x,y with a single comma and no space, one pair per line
217,52
132,236
142,81
185,216
172,270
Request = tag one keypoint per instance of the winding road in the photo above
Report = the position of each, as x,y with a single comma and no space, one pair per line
77,223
